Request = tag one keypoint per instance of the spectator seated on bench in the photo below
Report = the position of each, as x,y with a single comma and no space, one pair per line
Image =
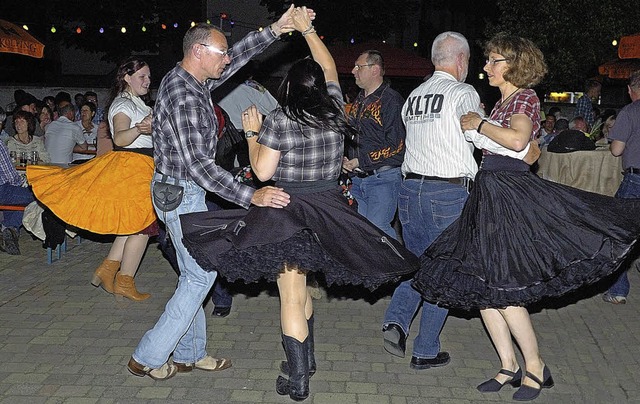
14,196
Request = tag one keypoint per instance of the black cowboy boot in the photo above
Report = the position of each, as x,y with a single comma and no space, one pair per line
284,366
298,384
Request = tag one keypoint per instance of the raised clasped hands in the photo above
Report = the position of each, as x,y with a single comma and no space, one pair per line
301,19
144,126
251,119
285,23
470,121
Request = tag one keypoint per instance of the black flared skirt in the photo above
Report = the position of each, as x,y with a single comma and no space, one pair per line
520,239
316,232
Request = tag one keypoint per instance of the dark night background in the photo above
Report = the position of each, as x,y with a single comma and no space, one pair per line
575,35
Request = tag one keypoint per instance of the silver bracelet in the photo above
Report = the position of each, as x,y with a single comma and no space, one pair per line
309,30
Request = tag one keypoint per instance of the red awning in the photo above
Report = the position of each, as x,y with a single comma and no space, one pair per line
619,69
397,62
15,39
629,47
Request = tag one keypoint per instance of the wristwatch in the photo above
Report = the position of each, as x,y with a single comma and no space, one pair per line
250,133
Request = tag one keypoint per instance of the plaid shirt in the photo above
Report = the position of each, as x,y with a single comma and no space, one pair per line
584,108
307,154
185,124
8,173
526,103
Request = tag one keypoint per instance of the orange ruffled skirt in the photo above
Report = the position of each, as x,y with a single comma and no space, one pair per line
109,194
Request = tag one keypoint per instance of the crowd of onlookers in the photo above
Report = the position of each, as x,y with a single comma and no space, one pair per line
586,120
53,130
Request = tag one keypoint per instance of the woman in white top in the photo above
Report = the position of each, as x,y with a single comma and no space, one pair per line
111,194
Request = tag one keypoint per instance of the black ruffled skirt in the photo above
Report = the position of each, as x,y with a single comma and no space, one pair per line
317,232
520,239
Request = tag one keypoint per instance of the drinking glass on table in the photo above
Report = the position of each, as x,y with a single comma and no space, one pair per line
23,159
34,157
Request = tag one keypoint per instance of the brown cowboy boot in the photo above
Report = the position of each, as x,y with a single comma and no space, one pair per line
105,275
125,286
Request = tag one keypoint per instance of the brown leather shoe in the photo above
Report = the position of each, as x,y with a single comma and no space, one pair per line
105,275
125,286
208,363
164,372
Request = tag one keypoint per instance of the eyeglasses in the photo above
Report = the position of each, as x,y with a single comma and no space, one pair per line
494,61
358,67
216,50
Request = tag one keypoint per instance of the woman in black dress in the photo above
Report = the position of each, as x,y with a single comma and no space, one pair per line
490,258
300,146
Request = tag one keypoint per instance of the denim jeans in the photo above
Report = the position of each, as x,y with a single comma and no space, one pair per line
182,328
377,197
629,188
14,195
425,209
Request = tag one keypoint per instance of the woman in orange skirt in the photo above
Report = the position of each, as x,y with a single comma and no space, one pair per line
111,194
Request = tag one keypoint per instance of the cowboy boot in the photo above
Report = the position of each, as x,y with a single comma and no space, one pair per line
284,366
298,384
105,275
125,286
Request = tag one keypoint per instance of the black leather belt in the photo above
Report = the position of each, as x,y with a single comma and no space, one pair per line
458,181
365,174
632,170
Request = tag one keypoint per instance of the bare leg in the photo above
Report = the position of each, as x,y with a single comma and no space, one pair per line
522,330
292,286
134,248
501,337
308,307
117,248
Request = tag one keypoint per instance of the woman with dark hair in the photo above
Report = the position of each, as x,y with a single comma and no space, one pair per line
300,146
25,141
110,193
45,117
489,258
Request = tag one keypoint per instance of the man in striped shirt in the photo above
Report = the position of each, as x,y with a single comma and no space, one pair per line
438,170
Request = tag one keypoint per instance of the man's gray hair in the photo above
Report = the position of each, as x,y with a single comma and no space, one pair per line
63,110
634,80
197,34
446,48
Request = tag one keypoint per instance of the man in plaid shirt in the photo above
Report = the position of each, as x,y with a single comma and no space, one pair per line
12,192
184,137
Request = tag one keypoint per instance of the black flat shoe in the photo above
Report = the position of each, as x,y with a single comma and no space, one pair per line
221,311
492,385
395,340
441,359
527,393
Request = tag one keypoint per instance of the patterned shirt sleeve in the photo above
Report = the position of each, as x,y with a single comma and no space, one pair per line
8,173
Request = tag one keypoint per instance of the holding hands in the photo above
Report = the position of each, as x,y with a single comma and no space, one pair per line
285,24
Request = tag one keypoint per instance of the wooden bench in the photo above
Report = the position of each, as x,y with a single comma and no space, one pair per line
13,207
60,248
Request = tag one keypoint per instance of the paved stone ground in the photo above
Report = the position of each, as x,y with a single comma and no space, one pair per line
63,341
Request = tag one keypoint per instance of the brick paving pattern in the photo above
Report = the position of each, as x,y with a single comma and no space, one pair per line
64,341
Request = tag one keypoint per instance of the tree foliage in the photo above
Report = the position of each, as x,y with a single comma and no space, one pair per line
574,35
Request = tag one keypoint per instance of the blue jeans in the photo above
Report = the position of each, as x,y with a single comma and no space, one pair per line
629,188
14,195
425,209
182,328
377,197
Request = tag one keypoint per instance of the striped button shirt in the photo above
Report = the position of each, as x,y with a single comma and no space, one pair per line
435,142
185,124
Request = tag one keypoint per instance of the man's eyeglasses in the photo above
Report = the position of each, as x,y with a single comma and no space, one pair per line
358,67
216,50
494,61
